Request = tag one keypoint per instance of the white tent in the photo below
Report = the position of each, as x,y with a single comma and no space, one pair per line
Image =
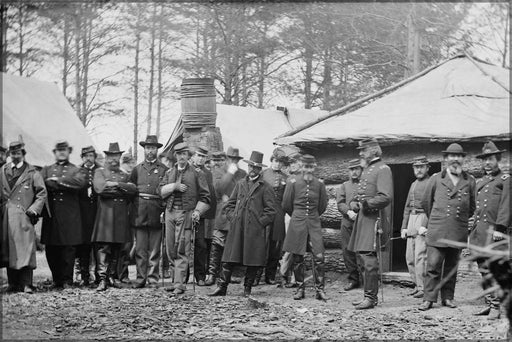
40,114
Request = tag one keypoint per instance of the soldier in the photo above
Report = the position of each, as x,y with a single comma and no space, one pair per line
294,167
414,226
449,202
305,199
62,224
22,201
225,179
147,208
127,252
492,217
276,178
200,246
112,226
250,210
345,195
185,191
372,205
3,156
88,200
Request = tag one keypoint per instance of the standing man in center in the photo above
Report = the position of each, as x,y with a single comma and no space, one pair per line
147,208
186,193
372,205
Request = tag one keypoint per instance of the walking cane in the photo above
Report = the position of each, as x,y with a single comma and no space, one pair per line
378,232
162,221
191,257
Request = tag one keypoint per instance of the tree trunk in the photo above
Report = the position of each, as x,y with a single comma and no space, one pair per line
327,80
3,27
308,59
78,15
261,80
136,85
151,69
86,47
506,46
65,56
20,38
160,67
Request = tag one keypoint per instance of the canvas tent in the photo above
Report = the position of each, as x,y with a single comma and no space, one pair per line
39,113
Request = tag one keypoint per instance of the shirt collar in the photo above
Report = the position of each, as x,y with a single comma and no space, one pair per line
18,166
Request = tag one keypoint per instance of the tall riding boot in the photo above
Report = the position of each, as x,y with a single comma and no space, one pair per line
213,268
298,271
102,266
223,281
320,276
114,260
250,275
257,277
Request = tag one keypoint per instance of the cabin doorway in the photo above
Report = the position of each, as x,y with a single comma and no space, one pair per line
403,176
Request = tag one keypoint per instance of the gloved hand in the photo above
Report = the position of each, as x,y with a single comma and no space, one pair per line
196,216
352,215
354,206
403,233
32,215
497,236
422,231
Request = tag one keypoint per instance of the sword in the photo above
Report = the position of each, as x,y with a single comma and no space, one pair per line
378,232
162,221
191,257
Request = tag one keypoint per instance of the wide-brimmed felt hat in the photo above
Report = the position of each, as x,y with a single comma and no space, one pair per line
233,152
454,149
420,160
352,164
308,159
256,159
3,149
87,149
151,140
367,143
489,149
181,147
63,145
16,146
113,148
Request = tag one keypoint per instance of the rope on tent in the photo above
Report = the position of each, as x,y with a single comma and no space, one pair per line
486,74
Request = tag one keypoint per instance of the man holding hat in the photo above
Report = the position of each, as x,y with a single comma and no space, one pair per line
200,247
112,226
305,199
88,201
21,202
345,195
250,210
492,217
373,223
187,197
449,202
147,208
414,226
225,178
62,223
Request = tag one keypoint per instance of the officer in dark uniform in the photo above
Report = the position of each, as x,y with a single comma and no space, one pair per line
62,229
346,193
492,216
147,208
88,200
372,205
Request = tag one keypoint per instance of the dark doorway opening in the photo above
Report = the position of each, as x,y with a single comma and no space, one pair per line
403,176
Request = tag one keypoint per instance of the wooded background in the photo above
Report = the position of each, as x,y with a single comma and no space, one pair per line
127,59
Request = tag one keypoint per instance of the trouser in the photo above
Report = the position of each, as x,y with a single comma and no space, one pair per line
441,261
416,258
83,252
349,257
491,299
218,242
18,279
200,252
124,258
227,271
147,253
208,251
319,269
61,260
274,255
178,247
108,257
369,265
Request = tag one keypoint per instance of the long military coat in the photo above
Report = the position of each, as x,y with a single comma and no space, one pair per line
277,180
250,210
18,240
147,209
304,202
448,208
64,227
345,194
88,200
224,184
492,207
375,192
112,221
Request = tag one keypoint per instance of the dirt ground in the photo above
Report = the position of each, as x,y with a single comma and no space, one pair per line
272,314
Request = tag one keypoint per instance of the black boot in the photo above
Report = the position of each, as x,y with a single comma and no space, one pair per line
223,281
102,285
247,291
214,267
320,277
113,265
257,278
251,273
298,271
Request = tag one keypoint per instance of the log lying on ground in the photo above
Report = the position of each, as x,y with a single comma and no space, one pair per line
331,218
332,238
333,261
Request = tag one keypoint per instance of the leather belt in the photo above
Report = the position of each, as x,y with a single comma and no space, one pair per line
149,196
417,211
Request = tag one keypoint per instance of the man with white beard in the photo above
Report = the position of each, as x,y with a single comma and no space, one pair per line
449,202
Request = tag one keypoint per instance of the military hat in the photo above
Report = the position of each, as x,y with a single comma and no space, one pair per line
151,140
308,159
352,164
295,157
279,154
454,149
220,155
489,149
2,149
367,143
233,153
201,150
88,149
256,159
113,148
16,146
181,147
62,145
421,160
